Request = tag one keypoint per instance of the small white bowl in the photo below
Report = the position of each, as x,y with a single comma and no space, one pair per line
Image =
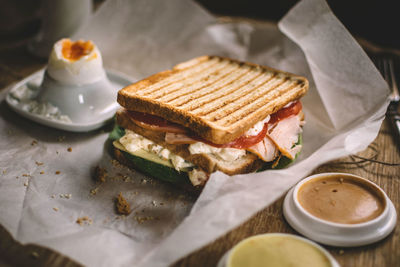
223,262
339,234
88,106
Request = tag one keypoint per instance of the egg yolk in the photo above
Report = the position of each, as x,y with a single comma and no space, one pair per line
75,50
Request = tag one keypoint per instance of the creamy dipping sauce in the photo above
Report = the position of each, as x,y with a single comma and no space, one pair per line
341,199
276,251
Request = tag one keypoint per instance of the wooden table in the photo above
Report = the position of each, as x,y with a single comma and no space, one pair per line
16,63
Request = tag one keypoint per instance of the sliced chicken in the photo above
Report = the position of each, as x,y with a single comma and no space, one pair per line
285,135
265,150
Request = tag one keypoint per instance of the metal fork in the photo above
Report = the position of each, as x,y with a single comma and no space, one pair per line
386,67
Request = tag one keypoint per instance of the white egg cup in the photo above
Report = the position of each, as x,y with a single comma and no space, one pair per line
339,234
223,262
81,103
88,106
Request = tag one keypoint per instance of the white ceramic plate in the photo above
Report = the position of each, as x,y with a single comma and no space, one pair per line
99,119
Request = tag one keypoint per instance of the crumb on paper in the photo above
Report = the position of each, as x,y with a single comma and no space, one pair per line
26,183
4,171
53,196
34,254
42,172
85,220
67,196
26,175
100,174
34,142
122,205
154,203
39,163
57,172
115,163
69,149
143,219
55,209
94,191
61,138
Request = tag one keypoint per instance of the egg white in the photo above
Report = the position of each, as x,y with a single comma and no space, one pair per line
87,69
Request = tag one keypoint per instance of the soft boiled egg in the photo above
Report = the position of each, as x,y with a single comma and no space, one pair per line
75,63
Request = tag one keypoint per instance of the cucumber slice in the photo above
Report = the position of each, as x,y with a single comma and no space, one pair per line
153,166
145,155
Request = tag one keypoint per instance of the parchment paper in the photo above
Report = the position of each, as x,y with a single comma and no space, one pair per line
344,109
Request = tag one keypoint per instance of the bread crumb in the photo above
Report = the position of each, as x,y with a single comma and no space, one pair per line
100,174
26,183
55,209
42,172
85,220
122,205
34,142
57,172
35,255
25,175
61,138
68,196
69,149
154,203
39,163
141,220
94,191
53,196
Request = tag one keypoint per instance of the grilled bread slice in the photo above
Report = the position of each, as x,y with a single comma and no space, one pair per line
217,98
207,162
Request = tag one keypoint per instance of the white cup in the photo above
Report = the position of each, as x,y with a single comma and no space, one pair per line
60,19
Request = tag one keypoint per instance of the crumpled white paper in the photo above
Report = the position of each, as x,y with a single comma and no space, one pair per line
344,109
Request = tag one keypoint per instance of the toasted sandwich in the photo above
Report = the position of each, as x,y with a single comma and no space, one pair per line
210,114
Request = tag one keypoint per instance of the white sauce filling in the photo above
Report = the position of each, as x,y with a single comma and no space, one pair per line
133,142
226,154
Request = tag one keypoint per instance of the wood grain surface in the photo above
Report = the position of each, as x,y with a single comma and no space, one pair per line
16,63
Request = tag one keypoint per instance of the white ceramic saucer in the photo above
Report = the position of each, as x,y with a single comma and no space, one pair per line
89,107
338,234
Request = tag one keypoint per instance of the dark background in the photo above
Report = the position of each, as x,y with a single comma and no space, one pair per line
376,21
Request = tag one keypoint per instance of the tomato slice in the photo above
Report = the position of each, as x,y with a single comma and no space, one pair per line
292,109
155,123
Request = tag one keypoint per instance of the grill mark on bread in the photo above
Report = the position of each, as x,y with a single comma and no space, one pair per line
206,101
258,108
210,107
195,78
210,80
222,84
178,75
